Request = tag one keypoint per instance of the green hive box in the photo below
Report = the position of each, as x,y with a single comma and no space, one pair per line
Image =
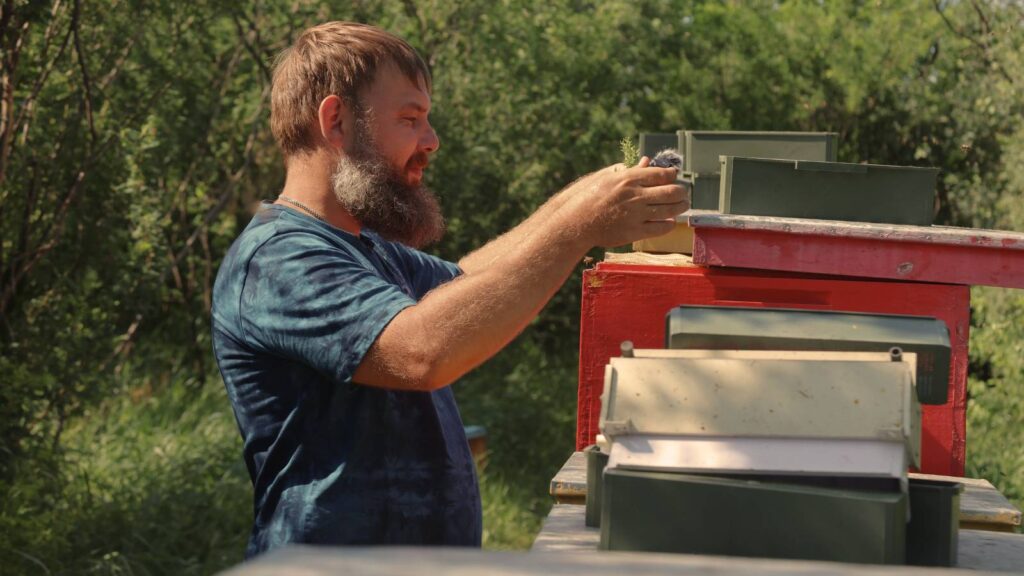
827,190
701,150
596,461
651,143
666,512
933,530
737,328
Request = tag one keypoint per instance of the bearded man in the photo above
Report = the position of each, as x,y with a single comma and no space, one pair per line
338,339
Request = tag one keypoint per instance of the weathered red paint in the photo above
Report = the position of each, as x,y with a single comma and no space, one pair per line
629,302
982,262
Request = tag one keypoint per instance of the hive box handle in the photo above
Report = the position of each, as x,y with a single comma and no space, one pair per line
831,167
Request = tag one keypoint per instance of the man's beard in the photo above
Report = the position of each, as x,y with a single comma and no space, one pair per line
378,196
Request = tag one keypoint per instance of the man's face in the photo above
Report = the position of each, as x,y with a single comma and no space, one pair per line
400,127
379,178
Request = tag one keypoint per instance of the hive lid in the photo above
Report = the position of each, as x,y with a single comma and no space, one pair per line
751,394
745,455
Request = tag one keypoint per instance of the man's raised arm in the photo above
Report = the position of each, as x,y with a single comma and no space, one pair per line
491,252
461,324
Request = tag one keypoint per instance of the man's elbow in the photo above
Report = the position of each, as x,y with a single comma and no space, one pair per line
407,369
425,373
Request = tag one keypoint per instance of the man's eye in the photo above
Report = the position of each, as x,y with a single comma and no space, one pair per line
409,119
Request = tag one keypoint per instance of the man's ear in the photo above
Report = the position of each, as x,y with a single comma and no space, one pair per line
335,121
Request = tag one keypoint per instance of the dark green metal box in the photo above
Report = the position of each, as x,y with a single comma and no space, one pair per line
701,150
827,190
933,533
596,461
738,328
666,512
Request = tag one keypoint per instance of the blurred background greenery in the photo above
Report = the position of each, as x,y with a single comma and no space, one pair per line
134,144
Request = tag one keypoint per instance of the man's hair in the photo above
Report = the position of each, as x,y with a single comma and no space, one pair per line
339,58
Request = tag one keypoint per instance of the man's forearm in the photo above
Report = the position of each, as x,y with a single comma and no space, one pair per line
465,322
462,323
485,256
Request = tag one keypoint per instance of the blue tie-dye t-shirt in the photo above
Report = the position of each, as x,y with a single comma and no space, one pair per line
296,306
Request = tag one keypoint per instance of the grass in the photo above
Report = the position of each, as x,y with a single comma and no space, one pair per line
154,483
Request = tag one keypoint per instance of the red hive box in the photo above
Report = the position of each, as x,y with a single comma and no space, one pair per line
629,302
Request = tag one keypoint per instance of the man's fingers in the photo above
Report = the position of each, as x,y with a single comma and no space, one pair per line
665,194
657,228
666,211
653,176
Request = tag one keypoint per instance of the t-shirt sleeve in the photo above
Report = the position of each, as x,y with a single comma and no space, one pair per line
315,303
425,271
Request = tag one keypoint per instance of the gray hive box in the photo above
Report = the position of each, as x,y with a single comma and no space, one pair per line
735,328
653,142
666,512
701,150
827,190
758,399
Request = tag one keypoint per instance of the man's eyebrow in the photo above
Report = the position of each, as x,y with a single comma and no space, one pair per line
415,106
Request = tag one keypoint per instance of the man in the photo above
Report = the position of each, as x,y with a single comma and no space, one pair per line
338,339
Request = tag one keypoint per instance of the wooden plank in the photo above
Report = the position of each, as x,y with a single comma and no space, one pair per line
564,530
630,302
982,506
648,259
912,253
569,486
680,240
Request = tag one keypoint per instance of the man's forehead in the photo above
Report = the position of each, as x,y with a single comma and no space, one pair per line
392,88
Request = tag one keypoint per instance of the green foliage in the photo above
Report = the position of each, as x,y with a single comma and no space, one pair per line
149,483
630,152
996,389
136,144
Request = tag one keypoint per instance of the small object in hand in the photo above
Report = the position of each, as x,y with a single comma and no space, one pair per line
668,158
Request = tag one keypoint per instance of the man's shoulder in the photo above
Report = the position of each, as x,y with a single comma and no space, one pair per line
272,241
274,233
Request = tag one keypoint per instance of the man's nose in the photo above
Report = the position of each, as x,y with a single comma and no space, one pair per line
429,142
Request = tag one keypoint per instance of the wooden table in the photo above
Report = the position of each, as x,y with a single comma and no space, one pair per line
982,507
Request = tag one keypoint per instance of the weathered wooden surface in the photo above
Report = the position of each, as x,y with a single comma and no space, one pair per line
982,506
565,533
680,240
648,259
630,301
569,486
406,561
571,480
914,253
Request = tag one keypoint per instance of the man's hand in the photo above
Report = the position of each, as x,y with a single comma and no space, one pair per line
618,205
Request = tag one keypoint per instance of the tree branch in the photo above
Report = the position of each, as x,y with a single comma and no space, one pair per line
86,82
243,36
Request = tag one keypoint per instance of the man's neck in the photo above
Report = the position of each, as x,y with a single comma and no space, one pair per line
308,182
